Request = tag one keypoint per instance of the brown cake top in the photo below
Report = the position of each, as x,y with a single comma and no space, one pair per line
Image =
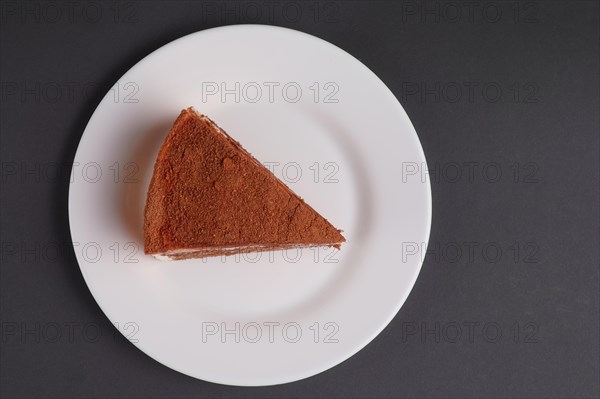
207,191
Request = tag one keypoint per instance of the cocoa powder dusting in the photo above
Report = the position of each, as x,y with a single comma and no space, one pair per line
208,192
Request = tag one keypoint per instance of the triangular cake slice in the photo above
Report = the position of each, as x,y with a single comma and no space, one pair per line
208,197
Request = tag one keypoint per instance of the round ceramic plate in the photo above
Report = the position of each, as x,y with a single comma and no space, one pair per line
326,126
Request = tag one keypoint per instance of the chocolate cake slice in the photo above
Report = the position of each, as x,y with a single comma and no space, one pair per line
208,196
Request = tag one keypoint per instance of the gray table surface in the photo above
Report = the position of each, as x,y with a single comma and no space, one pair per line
507,302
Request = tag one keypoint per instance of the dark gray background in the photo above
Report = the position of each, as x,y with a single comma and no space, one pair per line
542,56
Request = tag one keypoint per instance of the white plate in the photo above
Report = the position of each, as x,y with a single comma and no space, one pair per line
281,317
